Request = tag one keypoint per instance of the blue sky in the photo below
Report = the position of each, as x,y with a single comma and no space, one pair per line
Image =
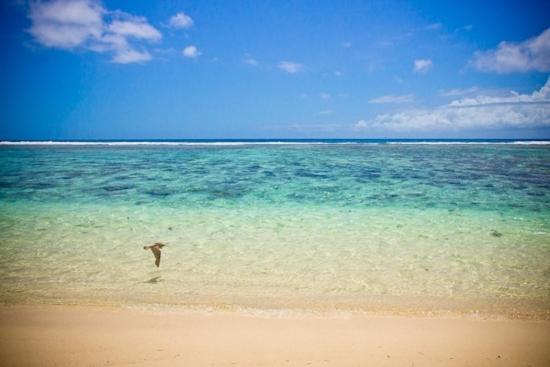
87,69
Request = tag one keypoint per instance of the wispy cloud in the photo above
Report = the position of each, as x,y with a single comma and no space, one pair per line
456,92
290,67
481,112
390,40
406,98
346,44
433,26
474,91
181,21
530,55
422,65
191,52
87,25
325,112
324,96
249,60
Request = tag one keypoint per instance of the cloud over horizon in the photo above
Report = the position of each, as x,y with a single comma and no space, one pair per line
481,112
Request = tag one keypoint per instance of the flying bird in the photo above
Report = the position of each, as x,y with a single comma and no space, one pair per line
155,248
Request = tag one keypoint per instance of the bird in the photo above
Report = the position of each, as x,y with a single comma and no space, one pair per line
155,248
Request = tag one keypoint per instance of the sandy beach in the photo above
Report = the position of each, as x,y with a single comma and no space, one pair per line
92,336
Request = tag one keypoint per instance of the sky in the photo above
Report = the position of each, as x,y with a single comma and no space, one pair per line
89,69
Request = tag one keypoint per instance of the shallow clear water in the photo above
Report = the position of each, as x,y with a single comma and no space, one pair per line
396,228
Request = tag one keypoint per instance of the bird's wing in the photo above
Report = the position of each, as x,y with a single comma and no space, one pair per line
156,252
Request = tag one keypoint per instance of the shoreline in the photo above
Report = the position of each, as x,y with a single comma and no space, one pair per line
51,335
295,311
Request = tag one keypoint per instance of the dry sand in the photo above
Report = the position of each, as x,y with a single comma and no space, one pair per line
87,336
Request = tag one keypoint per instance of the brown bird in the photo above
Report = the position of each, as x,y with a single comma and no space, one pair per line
155,248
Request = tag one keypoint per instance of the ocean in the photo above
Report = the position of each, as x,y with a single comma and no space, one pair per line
375,226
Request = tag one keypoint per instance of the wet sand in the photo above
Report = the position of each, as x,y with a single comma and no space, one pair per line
92,336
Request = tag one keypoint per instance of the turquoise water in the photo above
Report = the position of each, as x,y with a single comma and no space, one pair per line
372,227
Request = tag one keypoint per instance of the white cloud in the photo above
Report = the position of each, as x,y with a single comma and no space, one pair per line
181,21
530,55
290,67
191,52
433,26
474,91
136,27
130,56
249,60
447,118
539,96
422,65
455,92
77,12
63,24
482,112
360,125
324,96
406,98
86,25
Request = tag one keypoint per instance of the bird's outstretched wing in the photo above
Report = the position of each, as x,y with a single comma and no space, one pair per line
156,252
